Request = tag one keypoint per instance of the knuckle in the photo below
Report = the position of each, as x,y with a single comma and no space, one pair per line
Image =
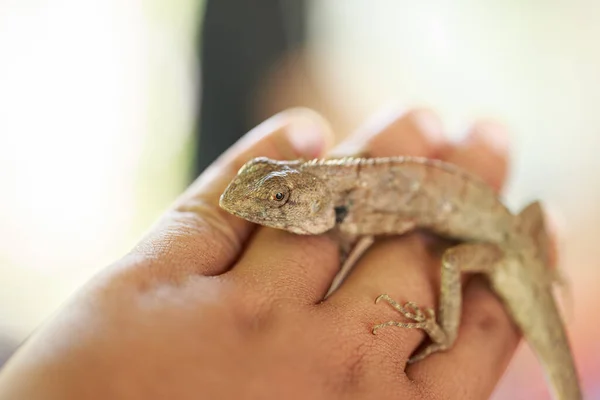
251,311
354,370
488,314
198,216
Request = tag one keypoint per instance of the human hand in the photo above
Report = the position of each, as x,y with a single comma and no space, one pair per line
210,306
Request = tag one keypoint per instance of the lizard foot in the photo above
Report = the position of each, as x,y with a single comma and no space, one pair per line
423,319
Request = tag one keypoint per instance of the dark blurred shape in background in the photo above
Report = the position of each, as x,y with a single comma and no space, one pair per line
7,347
240,44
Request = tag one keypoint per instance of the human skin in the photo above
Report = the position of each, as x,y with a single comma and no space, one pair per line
210,306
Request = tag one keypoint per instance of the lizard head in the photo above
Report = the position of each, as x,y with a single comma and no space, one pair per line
276,194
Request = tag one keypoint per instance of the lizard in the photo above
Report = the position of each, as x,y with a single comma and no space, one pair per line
360,198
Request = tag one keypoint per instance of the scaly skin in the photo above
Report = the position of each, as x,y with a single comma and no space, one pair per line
363,198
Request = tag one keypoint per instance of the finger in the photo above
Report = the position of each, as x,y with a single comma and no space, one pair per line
286,265
196,235
484,152
403,267
556,229
415,132
486,341
487,338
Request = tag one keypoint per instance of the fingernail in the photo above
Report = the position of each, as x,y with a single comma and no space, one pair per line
354,145
430,125
493,134
308,133
383,117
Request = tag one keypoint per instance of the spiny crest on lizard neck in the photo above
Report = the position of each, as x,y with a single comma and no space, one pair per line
276,194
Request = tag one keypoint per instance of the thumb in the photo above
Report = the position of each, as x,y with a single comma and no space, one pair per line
195,235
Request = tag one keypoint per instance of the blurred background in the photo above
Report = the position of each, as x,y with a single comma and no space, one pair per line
109,108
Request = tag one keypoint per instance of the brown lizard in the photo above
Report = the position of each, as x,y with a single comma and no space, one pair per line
366,197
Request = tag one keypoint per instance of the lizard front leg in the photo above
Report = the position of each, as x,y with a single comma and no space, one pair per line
355,232
351,250
466,257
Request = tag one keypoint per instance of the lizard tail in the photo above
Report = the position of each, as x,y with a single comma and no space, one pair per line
524,283
534,310
532,223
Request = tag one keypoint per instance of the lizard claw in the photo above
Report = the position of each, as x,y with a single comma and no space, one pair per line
410,309
422,319
381,296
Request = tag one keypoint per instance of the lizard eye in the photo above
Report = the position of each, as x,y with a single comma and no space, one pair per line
279,197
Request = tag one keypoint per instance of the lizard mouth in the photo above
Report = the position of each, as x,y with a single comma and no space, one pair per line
225,203
238,213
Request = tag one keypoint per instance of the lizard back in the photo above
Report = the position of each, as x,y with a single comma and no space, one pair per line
381,195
